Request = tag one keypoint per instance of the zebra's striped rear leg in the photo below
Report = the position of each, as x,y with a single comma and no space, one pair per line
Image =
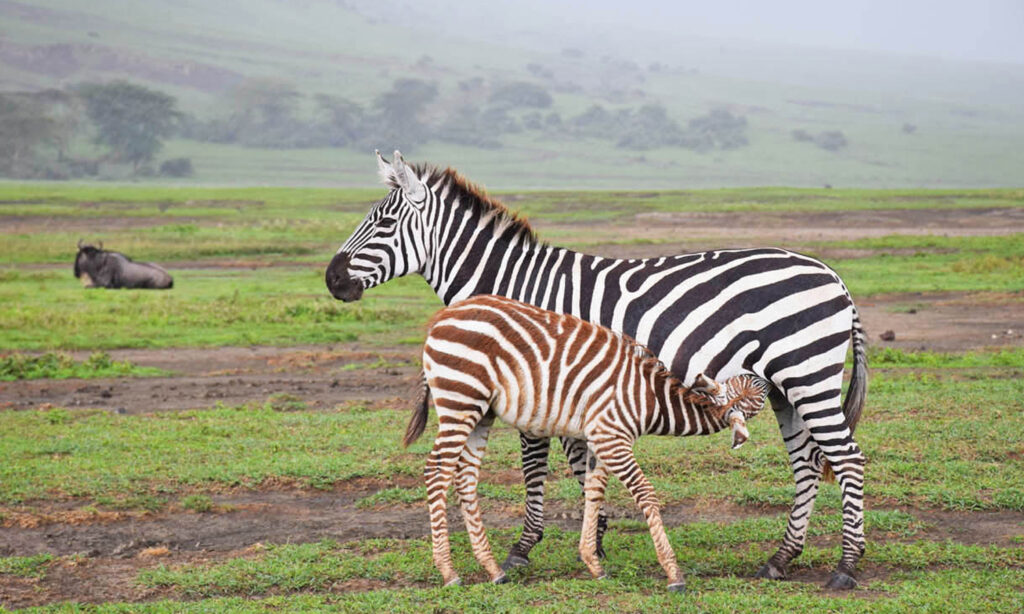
576,453
454,429
467,478
617,454
804,459
535,471
595,483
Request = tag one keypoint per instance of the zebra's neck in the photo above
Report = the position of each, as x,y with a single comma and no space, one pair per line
677,412
481,255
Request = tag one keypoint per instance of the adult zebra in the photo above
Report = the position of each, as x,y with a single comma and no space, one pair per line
785,317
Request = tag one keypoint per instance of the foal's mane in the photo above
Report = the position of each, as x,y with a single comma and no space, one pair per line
473,196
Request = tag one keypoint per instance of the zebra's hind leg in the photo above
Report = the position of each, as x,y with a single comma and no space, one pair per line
453,431
467,477
535,471
593,495
804,458
617,454
576,452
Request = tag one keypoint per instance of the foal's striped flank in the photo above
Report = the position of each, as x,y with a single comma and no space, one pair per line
550,375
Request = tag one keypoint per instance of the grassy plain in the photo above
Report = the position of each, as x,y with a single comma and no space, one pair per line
941,429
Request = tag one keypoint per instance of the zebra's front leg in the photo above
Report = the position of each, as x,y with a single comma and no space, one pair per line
804,459
441,464
593,497
535,471
467,477
576,452
617,454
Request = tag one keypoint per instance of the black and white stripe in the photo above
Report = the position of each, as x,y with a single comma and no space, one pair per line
783,316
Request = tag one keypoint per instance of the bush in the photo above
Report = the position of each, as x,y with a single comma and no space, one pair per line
802,136
176,167
832,140
521,94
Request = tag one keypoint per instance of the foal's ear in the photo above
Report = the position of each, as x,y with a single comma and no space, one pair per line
705,385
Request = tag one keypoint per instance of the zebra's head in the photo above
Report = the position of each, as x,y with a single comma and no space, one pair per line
390,242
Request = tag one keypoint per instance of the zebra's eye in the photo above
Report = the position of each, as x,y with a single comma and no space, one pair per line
386,223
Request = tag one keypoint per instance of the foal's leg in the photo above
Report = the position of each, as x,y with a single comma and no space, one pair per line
577,453
593,495
535,471
454,428
617,453
467,477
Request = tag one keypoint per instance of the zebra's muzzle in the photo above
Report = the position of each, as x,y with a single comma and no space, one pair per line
342,286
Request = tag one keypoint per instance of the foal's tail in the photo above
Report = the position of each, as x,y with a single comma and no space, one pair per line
418,420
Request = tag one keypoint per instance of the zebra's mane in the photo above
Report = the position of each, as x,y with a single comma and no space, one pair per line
474,197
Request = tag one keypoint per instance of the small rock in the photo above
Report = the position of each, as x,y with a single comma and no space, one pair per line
887,336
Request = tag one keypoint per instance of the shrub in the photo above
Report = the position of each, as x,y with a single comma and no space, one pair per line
832,140
176,167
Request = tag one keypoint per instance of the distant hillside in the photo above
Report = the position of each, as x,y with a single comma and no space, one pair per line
298,92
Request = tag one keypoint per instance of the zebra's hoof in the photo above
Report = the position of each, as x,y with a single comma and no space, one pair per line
678,587
603,576
502,579
841,581
456,581
770,572
513,561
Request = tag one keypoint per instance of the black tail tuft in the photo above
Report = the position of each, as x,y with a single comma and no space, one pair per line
418,420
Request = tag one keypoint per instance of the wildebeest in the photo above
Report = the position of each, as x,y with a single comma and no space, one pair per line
98,268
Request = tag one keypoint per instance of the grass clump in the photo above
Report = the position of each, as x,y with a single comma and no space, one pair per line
25,566
59,365
197,503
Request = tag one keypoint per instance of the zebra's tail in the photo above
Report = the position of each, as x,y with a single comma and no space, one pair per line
418,420
857,392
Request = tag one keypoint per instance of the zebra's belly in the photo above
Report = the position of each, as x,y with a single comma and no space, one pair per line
539,421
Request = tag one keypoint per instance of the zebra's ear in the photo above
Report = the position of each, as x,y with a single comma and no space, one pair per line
383,168
406,179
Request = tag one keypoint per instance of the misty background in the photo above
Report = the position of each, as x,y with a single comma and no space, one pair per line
525,94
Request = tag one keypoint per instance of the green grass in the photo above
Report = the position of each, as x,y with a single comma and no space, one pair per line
25,566
888,357
62,366
923,450
208,307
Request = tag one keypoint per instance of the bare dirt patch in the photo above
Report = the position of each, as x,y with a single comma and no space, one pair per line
319,377
667,233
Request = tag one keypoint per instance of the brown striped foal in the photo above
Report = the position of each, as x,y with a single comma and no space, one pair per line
550,375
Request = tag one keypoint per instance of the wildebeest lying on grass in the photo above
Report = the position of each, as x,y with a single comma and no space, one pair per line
98,268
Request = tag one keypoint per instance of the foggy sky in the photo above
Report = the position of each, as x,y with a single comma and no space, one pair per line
989,30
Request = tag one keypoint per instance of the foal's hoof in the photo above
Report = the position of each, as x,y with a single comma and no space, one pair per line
770,572
678,587
502,579
456,581
841,581
513,561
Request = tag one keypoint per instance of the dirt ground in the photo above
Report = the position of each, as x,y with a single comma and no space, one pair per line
113,546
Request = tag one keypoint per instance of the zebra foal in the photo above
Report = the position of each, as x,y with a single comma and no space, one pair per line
549,375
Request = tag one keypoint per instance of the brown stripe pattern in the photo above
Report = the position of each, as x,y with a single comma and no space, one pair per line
551,375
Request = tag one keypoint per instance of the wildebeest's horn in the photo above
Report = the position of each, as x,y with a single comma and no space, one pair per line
79,244
101,244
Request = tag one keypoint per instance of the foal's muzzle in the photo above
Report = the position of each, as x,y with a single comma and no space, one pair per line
342,285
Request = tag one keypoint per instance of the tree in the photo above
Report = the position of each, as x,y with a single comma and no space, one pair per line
23,127
399,109
130,119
